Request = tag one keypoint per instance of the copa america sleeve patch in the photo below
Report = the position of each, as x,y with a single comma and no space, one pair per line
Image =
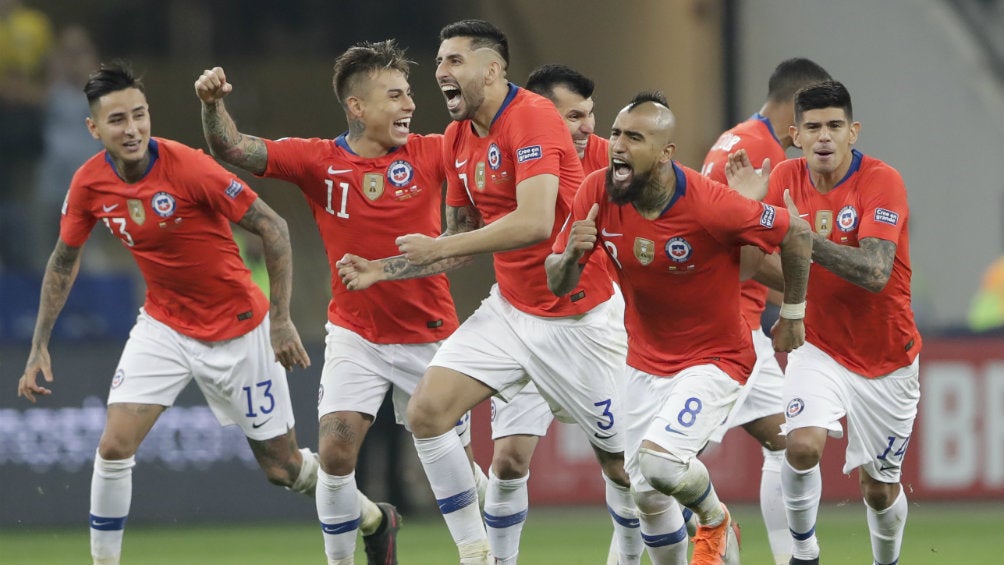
768,215
886,216
234,189
530,153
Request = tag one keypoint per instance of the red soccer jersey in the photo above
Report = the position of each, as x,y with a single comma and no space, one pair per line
176,223
870,333
680,272
361,206
756,136
597,155
526,138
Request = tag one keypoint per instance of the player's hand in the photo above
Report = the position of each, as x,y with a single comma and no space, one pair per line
418,249
358,273
744,178
789,203
27,386
788,334
289,351
582,236
212,86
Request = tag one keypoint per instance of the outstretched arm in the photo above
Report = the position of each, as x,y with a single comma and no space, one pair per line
225,141
358,273
531,222
262,221
60,272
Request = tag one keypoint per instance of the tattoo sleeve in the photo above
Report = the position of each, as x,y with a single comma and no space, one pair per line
60,272
265,223
230,145
867,266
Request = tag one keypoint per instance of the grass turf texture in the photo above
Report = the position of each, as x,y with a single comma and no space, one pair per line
937,533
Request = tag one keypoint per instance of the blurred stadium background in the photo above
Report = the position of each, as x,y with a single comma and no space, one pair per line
927,77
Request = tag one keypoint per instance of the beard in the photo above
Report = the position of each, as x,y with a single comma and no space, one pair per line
632,192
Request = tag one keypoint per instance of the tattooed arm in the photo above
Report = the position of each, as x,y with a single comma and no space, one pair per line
60,272
868,266
358,273
266,224
225,141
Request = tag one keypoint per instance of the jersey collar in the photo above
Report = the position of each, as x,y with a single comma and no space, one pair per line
855,165
766,122
343,142
681,187
513,90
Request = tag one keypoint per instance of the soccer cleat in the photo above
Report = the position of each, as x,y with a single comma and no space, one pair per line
797,561
713,545
381,545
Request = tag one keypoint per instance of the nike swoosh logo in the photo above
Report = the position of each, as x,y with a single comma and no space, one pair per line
99,523
803,215
334,171
609,234
886,467
598,436
107,208
257,425
459,164
671,430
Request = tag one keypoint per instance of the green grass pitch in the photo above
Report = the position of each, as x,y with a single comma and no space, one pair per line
937,534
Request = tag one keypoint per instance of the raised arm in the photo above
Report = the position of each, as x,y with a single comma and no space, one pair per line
262,221
60,272
358,273
531,222
225,141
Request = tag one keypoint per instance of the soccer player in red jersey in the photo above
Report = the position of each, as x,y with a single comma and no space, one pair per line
203,318
364,188
512,171
763,136
860,359
675,239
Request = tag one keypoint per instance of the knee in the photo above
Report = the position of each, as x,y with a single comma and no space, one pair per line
423,418
652,503
877,495
112,449
803,453
662,470
510,463
335,460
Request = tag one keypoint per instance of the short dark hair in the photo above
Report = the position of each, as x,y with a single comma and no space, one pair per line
792,74
829,94
111,77
365,58
647,96
545,78
481,33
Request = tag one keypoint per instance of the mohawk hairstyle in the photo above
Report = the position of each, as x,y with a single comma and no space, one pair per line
648,96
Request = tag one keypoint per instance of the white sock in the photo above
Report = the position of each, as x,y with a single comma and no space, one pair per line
370,515
624,516
506,505
449,472
111,495
338,511
306,481
886,529
772,506
690,520
802,490
481,480
663,529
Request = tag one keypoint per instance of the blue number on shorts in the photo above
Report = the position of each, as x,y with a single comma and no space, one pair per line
691,408
607,413
267,385
899,453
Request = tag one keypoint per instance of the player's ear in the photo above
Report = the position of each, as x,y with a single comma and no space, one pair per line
855,131
92,127
355,106
793,132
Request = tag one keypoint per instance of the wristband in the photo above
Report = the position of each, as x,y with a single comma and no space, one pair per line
793,311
